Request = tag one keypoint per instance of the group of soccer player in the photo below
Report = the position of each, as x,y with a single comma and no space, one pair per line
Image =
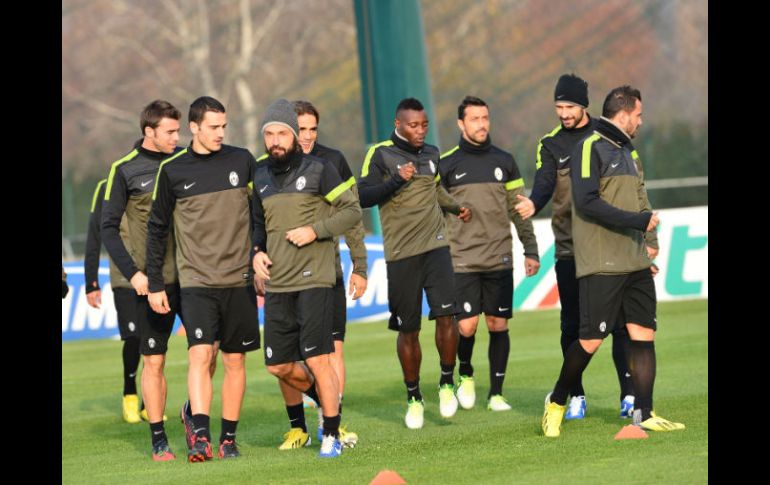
201,231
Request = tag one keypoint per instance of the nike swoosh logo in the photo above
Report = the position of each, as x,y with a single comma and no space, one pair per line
446,306
247,343
498,374
311,348
613,165
559,96
459,176
263,189
501,309
188,186
144,184
562,160
157,432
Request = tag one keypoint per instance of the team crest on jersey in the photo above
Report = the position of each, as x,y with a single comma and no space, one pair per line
151,343
498,173
467,307
301,183
233,179
432,166
269,352
198,333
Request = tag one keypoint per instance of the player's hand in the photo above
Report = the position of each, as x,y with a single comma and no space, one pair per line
654,221
94,298
525,207
652,253
654,269
262,264
140,283
301,236
465,214
159,302
259,285
406,171
357,286
531,266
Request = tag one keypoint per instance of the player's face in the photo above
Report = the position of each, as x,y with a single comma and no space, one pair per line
165,136
279,141
634,120
412,125
208,135
475,124
308,131
570,114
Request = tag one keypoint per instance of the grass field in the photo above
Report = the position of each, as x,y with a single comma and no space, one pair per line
476,446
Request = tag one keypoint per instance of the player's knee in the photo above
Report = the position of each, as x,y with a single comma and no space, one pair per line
234,360
280,370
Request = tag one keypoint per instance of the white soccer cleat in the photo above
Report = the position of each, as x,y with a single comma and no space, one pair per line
447,402
466,392
498,403
415,411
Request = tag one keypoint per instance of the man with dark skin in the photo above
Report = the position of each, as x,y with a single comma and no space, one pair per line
401,176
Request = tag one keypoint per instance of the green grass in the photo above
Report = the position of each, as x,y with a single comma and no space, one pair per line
475,446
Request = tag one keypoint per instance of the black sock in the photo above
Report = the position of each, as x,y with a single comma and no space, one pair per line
575,362
297,416
201,425
130,364
566,342
643,364
313,394
499,348
228,430
187,408
158,432
465,353
447,374
340,413
413,390
332,426
620,355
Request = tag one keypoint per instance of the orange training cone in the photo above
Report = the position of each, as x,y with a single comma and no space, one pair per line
387,477
631,432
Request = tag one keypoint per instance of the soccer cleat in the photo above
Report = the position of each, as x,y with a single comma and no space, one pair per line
498,403
577,408
228,449
552,417
627,407
348,439
162,452
295,438
330,447
131,409
200,451
414,413
466,392
307,402
447,402
655,422
189,429
146,417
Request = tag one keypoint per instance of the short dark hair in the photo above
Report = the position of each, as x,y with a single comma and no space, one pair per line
201,106
156,111
621,98
413,104
469,101
302,107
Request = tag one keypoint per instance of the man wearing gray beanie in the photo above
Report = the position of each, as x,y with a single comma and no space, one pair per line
299,205
552,179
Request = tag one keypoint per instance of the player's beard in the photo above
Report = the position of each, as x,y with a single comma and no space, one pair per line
282,159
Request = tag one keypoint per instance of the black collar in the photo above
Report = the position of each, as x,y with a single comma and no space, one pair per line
469,147
608,129
403,144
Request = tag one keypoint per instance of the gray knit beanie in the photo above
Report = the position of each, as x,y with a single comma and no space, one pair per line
281,112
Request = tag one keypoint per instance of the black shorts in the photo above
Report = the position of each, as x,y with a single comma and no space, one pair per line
340,311
155,328
607,299
488,292
225,314
407,278
125,305
568,297
298,325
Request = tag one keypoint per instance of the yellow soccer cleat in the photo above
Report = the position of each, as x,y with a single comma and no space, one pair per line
295,438
552,417
348,439
657,423
146,417
131,409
